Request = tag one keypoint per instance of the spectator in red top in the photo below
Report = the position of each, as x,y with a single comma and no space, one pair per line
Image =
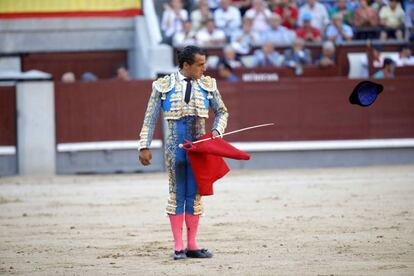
307,32
288,13
366,21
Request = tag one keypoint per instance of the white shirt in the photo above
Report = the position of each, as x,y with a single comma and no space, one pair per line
204,38
171,23
319,15
182,39
183,83
229,20
259,19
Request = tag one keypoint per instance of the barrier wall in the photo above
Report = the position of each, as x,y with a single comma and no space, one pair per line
318,109
101,111
101,63
302,108
7,116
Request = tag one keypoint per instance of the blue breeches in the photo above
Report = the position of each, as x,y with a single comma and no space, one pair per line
183,192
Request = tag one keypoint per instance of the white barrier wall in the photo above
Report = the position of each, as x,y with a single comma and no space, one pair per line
36,143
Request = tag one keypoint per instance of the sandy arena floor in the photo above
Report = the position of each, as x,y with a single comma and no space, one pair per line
344,221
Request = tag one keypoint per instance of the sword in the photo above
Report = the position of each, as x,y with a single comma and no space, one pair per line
231,132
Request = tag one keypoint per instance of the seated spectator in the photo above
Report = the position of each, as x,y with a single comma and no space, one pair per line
243,5
377,5
185,37
277,34
230,57
200,16
297,55
243,40
213,4
409,21
122,73
392,21
267,56
210,35
387,70
365,21
376,56
68,77
338,31
320,18
88,77
327,57
341,7
226,73
227,18
173,19
307,32
259,14
352,5
404,57
288,13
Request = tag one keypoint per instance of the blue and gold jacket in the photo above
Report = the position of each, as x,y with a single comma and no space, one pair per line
167,95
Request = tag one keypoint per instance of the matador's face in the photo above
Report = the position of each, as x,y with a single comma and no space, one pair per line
197,69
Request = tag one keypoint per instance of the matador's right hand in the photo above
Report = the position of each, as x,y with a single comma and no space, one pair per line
145,156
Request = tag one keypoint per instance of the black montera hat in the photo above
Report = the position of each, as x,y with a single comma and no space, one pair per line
365,93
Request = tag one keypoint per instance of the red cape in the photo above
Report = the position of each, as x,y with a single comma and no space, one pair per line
207,161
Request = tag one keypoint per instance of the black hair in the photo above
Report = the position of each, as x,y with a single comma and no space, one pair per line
188,55
388,61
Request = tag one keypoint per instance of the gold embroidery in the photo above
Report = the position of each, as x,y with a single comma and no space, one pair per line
207,83
198,207
165,84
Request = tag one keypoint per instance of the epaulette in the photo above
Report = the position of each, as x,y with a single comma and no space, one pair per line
165,84
208,83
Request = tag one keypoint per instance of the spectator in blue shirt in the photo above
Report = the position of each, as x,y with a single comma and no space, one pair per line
278,34
267,56
226,73
338,31
297,55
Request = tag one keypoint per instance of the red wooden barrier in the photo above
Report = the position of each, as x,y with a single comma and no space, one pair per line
318,109
302,108
101,111
7,116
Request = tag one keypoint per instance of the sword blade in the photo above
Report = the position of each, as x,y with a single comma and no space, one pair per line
231,132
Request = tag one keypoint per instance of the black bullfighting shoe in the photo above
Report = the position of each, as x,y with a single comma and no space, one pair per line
179,255
199,253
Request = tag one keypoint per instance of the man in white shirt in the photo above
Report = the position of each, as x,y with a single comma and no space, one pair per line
172,20
227,18
259,14
210,36
185,37
318,12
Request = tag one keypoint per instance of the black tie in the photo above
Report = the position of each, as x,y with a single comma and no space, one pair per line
187,90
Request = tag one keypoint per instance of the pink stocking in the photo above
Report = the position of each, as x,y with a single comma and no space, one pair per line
192,226
176,222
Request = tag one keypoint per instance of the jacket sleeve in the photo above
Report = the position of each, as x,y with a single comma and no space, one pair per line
150,119
220,112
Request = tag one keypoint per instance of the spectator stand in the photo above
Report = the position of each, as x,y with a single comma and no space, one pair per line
342,68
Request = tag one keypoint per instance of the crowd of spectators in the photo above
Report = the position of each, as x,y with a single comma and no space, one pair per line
256,27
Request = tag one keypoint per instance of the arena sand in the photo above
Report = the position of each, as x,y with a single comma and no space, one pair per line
346,221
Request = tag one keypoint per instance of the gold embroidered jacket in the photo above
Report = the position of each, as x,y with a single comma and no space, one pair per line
167,95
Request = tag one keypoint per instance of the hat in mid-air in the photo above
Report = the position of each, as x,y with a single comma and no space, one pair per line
365,93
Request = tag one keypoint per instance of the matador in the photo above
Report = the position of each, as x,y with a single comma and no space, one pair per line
184,98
